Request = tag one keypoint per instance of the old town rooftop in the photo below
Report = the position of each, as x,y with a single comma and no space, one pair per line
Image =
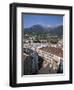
53,50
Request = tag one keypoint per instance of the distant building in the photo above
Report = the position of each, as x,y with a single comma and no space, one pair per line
60,44
43,41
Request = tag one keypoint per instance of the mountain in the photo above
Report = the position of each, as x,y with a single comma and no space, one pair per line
35,28
57,30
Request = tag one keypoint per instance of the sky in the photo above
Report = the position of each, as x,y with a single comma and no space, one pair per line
44,20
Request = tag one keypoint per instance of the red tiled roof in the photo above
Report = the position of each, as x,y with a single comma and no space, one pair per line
53,50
